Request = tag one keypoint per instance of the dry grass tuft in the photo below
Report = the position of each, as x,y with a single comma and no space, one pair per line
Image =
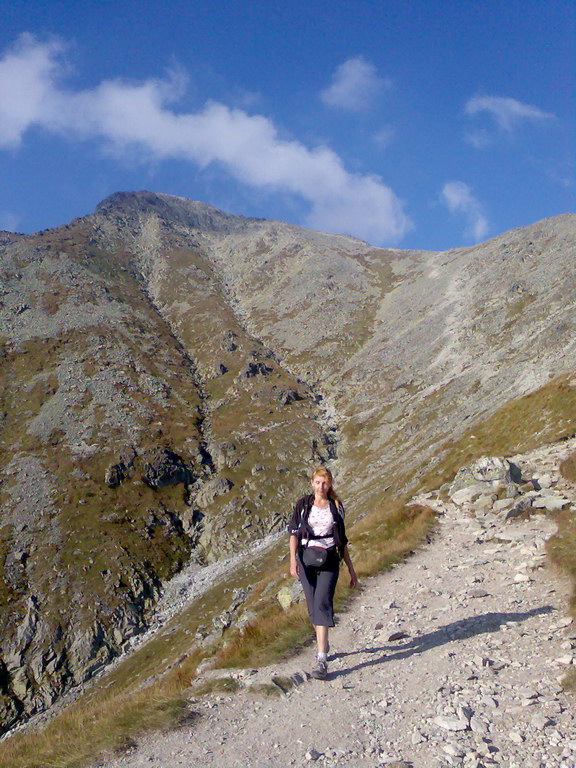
568,468
562,550
105,727
382,540
569,681
218,685
275,635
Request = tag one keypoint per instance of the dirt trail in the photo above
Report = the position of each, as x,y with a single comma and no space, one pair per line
473,683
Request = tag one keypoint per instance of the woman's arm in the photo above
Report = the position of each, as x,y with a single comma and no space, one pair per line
348,560
293,560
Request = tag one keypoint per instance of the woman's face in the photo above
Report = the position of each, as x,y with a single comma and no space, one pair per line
320,485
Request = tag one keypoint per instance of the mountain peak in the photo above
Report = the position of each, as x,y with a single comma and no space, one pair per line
173,208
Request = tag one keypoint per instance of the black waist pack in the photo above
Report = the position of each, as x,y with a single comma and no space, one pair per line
315,557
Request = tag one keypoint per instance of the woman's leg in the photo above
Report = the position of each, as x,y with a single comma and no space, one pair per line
323,616
322,638
323,611
308,581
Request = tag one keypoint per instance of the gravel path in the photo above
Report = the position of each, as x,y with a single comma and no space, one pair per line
473,681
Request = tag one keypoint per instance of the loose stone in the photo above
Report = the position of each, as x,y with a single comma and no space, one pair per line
451,723
478,592
541,721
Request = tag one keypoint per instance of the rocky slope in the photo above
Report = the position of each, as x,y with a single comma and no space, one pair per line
169,373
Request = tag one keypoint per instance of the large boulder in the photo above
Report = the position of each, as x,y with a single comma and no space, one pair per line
254,368
118,472
225,454
10,710
468,494
488,470
217,486
285,395
289,594
163,467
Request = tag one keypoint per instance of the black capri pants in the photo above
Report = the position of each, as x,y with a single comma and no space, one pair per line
319,585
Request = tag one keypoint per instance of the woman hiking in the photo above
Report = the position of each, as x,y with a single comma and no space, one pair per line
317,544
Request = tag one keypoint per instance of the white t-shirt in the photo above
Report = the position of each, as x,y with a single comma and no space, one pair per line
322,523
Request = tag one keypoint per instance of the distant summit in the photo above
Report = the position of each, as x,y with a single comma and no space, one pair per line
177,210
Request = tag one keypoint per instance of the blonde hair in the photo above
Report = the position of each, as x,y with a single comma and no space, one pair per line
325,472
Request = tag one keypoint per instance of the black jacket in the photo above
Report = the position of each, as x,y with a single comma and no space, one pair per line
300,528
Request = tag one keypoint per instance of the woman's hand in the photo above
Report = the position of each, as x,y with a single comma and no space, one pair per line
353,578
348,560
294,570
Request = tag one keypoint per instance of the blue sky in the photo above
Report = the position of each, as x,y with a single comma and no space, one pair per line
421,124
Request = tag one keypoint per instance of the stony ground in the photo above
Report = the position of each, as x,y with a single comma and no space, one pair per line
472,679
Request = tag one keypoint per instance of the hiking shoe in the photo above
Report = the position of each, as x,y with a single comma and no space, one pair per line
320,671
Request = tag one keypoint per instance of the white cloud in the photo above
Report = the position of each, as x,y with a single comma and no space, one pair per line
505,112
458,198
27,72
355,84
126,115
